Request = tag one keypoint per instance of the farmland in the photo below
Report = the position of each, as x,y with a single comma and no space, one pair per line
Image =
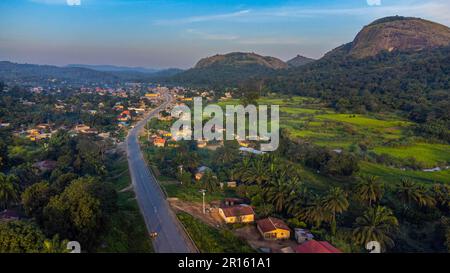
373,136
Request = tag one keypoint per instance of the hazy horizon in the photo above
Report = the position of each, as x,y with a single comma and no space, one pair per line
176,34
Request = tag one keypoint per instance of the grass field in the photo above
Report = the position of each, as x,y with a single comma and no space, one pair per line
127,231
393,175
212,240
430,154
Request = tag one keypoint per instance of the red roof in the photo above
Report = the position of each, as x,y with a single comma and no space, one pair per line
159,140
314,246
239,210
271,224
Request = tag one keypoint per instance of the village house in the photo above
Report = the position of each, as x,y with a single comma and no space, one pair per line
152,95
159,142
314,246
200,172
273,229
46,165
237,214
229,184
202,144
84,129
9,215
302,235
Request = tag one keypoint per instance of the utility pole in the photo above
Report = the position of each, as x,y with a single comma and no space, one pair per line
203,193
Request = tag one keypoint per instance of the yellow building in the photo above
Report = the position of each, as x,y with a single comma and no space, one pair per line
273,229
237,214
152,95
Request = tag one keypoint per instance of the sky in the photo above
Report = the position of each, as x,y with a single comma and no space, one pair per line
171,33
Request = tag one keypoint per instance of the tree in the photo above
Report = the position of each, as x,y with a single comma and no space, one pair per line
441,194
20,237
78,213
377,224
369,190
209,181
333,203
282,190
35,198
9,191
409,192
257,173
314,213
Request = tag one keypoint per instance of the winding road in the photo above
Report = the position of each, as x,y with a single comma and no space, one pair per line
154,207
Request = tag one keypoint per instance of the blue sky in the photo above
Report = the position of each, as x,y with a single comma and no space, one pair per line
171,33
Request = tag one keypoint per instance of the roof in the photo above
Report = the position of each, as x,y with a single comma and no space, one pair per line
159,140
9,214
203,169
239,210
314,246
271,224
46,165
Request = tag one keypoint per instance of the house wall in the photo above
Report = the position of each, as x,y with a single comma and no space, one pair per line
241,219
278,234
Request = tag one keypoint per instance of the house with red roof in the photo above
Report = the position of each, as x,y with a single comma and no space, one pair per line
159,142
273,229
314,246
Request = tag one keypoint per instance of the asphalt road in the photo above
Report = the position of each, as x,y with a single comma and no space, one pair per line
154,207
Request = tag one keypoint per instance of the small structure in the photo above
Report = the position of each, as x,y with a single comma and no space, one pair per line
200,172
314,246
237,214
250,151
202,144
302,235
228,202
230,184
46,165
159,142
8,215
273,229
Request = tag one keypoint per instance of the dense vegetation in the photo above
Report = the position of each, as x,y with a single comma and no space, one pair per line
75,198
416,83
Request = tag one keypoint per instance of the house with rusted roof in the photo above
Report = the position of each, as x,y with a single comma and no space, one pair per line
273,229
314,246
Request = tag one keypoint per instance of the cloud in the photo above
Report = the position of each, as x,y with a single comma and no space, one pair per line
212,36
74,2
58,2
374,2
204,18
436,10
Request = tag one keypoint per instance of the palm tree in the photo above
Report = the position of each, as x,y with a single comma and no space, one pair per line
243,167
210,181
257,173
409,192
377,224
9,192
282,191
369,190
276,193
335,202
441,194
314,213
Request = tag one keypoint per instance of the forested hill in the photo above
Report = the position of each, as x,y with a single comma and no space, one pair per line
408,79
228,70
12,72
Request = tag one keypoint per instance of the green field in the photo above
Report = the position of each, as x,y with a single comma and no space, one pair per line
212,240
309,119
394,175
127,231
430,154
